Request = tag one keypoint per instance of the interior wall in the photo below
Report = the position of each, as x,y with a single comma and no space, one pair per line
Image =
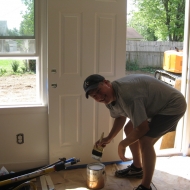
32,122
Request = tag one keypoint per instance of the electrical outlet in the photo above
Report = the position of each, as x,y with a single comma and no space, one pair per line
20,138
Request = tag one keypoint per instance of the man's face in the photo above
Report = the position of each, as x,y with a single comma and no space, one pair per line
104,93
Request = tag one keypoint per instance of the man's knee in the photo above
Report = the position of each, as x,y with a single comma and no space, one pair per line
146,142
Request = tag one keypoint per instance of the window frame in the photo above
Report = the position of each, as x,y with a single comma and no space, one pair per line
40,36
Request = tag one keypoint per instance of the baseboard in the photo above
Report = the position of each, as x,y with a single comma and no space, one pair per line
15,167
77,166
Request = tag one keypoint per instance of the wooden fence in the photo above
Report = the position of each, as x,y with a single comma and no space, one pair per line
147,53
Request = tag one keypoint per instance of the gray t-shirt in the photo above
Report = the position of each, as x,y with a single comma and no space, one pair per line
140,97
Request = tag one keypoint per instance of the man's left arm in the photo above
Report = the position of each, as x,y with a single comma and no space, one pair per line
135,135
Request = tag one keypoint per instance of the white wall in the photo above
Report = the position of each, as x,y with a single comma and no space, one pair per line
33,123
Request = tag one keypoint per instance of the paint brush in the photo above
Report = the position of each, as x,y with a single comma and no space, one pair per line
97,151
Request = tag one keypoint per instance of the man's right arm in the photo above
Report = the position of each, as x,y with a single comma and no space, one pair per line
117,126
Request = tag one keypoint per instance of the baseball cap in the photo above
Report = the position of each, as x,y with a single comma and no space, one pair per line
91,82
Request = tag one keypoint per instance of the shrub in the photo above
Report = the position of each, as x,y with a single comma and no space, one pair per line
15,66
32,65
24,70
132,65
2,71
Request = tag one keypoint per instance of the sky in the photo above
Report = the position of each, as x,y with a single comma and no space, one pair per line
10,11
130,5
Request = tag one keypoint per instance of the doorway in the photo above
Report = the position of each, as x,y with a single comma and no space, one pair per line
171,143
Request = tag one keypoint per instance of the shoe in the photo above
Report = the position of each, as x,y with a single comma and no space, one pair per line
140,187
130,171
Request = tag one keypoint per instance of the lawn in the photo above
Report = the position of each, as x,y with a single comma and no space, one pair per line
7,64
6,67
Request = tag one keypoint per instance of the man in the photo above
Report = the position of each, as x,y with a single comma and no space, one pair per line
154,109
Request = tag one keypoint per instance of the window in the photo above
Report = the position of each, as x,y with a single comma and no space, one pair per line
20,57
17,29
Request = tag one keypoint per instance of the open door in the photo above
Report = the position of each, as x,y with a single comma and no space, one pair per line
84,37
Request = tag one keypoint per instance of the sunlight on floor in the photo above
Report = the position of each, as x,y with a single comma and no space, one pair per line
175,165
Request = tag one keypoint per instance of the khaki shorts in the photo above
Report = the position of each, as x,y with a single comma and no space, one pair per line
162,124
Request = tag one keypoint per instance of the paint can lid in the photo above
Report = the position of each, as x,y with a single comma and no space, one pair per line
95,166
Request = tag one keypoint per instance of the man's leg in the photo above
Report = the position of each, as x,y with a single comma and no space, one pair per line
148,159
135,169
135,147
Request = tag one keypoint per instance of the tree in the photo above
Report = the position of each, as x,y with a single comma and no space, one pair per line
142,27
27,25
13,32
159,19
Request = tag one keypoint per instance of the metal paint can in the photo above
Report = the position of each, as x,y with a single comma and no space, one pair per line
96,175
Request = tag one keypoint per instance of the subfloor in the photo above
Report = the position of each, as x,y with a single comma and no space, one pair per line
171,173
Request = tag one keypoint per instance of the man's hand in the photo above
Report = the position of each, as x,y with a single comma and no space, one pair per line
121,151
135,135
103,143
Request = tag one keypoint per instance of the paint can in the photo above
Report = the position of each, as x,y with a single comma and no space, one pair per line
96,175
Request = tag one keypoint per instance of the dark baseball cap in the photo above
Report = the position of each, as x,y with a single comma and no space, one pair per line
91,82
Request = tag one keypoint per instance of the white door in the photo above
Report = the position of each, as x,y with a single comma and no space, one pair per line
84,37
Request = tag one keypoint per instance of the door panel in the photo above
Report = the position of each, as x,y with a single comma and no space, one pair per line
84,37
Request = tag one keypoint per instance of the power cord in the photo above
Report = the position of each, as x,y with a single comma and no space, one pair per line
153,185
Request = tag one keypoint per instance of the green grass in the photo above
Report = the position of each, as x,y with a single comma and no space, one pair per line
134,66
7,67
150,69
6,64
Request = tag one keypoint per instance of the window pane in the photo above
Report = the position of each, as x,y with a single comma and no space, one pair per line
17,18
18,81
17,46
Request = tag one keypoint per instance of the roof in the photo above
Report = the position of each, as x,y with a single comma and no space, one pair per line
132,34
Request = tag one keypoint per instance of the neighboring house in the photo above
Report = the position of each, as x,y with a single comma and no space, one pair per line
3,28
3,31
132,34
12,45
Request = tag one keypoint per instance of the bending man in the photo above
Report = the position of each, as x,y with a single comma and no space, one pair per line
154,109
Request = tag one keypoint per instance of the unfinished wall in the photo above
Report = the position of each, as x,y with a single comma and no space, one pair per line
32,122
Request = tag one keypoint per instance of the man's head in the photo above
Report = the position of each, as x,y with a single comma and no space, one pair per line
92,82
99,89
